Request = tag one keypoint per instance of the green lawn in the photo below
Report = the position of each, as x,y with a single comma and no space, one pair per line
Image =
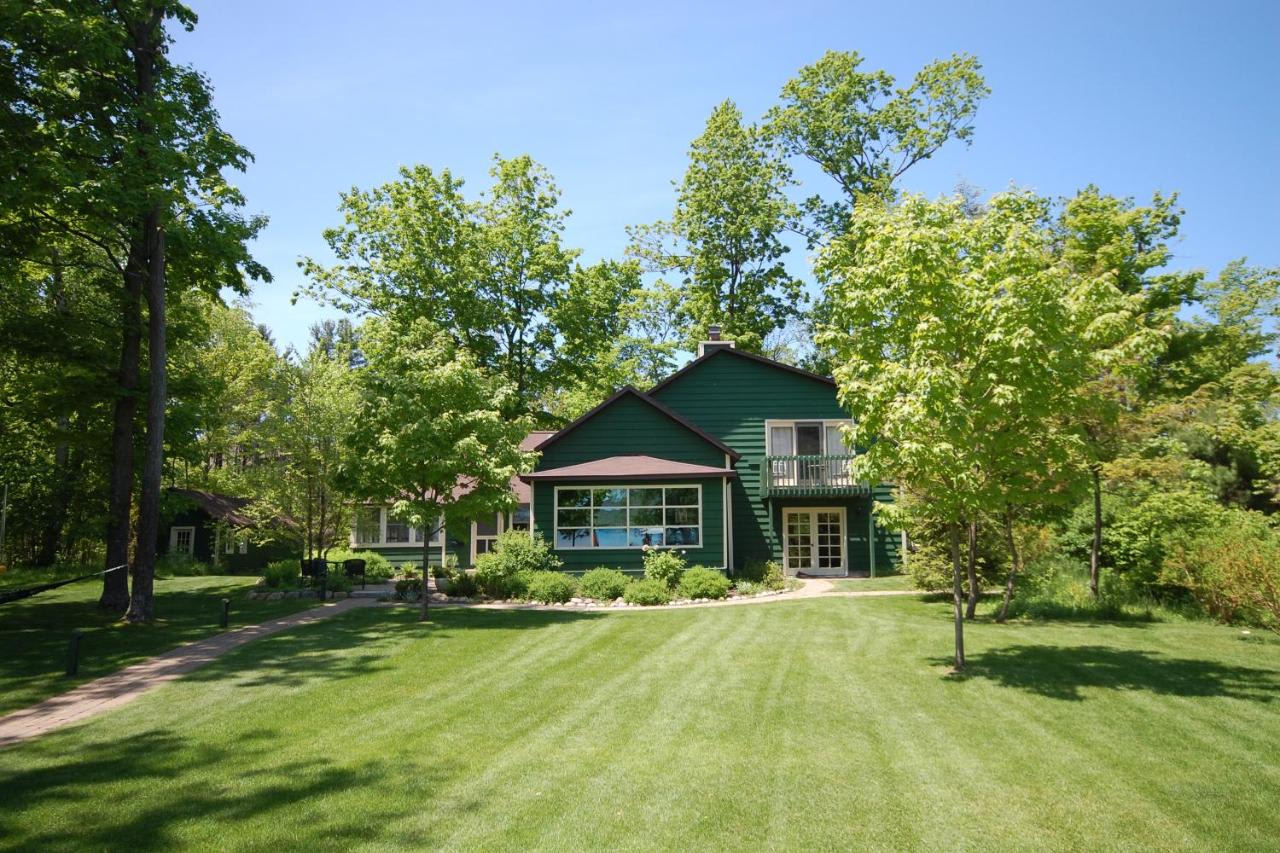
34,632
879,584
818,724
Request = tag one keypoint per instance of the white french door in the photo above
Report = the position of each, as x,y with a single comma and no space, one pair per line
814,541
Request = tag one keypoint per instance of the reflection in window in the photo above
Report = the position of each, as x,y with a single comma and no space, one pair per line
622,517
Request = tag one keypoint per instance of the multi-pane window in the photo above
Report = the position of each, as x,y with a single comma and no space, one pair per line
369,525
397,531
629,517
376,526
486,534
182,540
236,543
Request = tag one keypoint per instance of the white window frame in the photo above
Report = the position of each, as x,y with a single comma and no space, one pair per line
769,426
235,542
504,524
555,515
383,515
173,539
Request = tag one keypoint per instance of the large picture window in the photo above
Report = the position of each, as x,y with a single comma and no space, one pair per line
629,517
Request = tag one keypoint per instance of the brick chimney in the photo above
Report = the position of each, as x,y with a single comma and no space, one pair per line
713,342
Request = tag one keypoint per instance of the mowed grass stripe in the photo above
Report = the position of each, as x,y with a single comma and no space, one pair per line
792,725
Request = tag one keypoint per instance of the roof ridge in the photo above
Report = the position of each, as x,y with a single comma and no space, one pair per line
751,356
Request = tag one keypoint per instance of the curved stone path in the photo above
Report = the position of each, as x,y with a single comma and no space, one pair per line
119,688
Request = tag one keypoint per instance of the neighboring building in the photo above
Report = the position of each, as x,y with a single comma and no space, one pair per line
212,528
733,458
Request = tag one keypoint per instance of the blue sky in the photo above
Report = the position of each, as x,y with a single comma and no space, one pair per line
1135,97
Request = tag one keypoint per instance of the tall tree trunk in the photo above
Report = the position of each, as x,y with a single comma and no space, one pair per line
115,585
971,569
423,615
957,594
142,599
1015,565
60,499
1095,552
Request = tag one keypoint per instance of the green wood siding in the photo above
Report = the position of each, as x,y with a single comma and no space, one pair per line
577,560
630,426
731,398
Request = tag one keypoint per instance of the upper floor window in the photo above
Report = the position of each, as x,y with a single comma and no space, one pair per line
806,438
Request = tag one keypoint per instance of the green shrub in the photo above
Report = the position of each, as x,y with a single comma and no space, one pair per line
701,582
376,566
1233,571
408,589
183,565
766,573
337,581
929,567
744,587
282,574
603,584
550,587
647,592
665,567
444,573
520,552
504,571
461,585
1140,528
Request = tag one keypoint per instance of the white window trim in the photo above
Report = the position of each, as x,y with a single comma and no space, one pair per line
504,524
234,542
383,514
173,540
826,422
844,536
555,515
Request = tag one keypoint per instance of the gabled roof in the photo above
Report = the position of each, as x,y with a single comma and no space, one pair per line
750,356
221,507
629,391
226,508
630,467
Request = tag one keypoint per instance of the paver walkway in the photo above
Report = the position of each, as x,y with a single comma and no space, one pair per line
112,691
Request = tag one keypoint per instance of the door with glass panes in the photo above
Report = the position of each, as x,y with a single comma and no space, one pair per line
814,541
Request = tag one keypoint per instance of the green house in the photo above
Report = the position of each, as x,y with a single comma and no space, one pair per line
734,458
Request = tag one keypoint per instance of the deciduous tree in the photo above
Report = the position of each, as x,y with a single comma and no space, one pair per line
725,237
431,435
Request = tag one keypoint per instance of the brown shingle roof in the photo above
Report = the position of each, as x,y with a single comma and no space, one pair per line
221,507
633,467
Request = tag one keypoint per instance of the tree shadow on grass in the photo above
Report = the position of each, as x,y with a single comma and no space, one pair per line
1065,672
222,784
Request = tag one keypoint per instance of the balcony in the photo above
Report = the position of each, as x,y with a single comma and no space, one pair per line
807,476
